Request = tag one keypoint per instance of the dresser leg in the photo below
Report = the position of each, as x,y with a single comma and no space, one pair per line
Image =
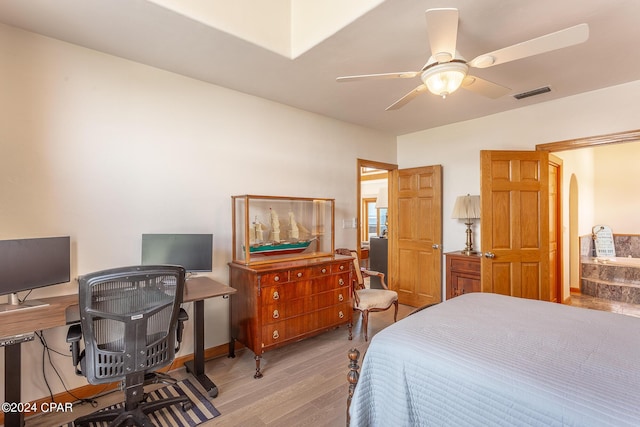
258,373
349,326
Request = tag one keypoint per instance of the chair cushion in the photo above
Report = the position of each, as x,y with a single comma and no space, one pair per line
375,298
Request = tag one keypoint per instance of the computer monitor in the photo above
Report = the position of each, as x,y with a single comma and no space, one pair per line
192,251
32,263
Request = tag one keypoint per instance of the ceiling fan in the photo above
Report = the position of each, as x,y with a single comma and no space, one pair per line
446,70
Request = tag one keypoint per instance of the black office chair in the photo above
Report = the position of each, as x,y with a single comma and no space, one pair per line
132,323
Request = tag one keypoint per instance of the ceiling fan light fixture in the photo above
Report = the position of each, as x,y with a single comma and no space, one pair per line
444,79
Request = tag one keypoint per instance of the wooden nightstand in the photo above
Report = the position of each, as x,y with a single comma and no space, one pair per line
463,273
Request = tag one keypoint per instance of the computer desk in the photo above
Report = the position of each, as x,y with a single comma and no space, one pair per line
197,289
63,310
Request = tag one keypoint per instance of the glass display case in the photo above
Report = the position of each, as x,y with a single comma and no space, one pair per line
272,229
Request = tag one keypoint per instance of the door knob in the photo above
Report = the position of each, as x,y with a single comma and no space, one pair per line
490,255
435,246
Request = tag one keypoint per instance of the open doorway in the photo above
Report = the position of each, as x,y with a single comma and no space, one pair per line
571,270
372,201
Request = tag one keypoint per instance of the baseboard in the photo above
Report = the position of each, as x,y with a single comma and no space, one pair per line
567,300
89,391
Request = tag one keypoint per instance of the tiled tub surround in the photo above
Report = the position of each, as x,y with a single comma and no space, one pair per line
616,279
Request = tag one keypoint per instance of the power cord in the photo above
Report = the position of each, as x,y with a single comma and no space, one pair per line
46,350
25,297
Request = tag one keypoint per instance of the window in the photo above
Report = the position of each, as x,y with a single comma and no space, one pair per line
376,219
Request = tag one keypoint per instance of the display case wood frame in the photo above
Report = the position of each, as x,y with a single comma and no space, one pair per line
242,221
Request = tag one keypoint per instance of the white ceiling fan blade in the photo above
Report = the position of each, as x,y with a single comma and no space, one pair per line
401,75
442,28
484,87
558,40
408,97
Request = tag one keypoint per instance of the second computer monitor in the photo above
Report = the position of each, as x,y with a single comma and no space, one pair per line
192,251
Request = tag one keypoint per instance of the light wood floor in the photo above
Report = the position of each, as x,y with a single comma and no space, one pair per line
304,384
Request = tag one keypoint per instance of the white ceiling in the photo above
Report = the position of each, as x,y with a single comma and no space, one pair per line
391,37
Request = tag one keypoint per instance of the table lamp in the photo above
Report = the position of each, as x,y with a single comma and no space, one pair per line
467,208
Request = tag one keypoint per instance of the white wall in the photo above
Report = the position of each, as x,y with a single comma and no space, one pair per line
104,149
581,164
457,147
617,195
608,190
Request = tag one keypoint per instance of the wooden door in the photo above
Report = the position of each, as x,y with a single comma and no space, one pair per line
514,206
555,231
415,235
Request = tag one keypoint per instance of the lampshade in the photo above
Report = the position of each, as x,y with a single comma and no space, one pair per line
466,207
444,79
382,201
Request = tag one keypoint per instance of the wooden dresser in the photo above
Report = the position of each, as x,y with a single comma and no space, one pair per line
463,273
283,302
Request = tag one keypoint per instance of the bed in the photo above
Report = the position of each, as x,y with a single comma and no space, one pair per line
484,359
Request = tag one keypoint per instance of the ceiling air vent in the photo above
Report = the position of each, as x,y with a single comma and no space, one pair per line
532,92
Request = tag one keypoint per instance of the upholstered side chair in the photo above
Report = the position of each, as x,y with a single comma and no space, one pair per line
367,299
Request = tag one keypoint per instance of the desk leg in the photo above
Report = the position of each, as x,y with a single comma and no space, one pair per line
12,371
196,366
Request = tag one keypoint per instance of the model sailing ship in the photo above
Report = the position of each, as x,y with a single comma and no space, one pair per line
274,245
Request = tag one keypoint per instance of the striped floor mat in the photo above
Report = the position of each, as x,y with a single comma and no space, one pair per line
173,416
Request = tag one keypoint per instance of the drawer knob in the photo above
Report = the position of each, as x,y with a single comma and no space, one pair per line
341,267
341,314
276,314
276,295
324,270
276,279
276,335
341,282
300,274
340,298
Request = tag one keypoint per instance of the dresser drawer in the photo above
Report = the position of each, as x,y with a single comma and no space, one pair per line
321,270
341,267
295,328
300,274
287,291
274,333
334,297
274,278
273,294
275,313
471,265
283,309
334,315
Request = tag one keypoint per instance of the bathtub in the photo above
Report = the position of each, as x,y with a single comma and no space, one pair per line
612,278
621,261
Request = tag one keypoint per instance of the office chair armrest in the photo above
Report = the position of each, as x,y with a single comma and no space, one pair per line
182,317
74,334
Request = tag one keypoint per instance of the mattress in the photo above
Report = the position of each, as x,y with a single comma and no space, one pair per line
490,360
